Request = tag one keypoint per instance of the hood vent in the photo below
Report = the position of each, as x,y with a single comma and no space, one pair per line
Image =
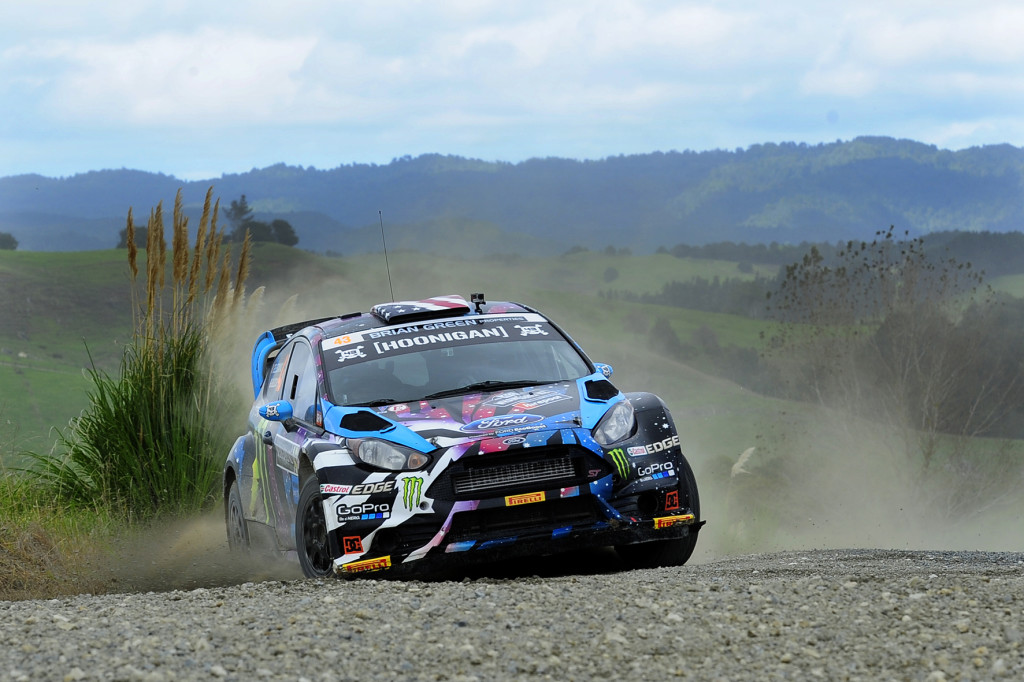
364,420
601,389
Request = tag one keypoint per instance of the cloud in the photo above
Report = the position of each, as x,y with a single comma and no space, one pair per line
175,80
982,34
939,51
506,80
325,62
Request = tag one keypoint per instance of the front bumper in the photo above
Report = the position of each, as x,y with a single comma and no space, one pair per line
562,493
493,544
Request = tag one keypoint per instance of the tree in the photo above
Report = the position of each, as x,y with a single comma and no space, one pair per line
284,233
8,242
141,235
663,339
906,338
238,215
258,230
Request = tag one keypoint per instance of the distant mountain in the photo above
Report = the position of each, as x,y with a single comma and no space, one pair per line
787,193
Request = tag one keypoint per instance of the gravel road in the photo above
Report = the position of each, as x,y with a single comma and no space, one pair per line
829,614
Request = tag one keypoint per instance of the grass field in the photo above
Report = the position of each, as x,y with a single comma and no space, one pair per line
56,310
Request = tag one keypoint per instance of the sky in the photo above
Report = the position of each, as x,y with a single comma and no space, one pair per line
197,89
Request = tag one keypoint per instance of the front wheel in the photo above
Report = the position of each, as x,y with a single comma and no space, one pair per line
675,552
311,532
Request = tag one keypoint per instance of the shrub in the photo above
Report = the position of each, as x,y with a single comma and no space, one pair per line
144,445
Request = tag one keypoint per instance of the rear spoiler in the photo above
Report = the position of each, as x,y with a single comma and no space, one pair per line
271,340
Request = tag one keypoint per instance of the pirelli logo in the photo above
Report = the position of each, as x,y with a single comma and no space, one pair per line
667,521
378,564
528,498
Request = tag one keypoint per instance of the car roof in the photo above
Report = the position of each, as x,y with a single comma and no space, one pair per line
395,313
270,342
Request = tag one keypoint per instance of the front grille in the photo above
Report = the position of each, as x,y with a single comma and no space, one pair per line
539,474
498,474
537,520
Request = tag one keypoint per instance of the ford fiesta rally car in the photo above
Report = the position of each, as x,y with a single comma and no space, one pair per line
427,434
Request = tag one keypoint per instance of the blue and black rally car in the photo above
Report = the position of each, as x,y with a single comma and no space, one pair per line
426,434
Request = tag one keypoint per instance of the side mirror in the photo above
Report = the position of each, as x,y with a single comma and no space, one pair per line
277,411
604,369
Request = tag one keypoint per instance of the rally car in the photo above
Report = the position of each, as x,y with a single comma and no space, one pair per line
425,435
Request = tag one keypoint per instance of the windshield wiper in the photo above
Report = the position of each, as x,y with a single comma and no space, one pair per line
379,402
490,384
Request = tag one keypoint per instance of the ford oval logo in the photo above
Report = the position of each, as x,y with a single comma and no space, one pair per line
504,421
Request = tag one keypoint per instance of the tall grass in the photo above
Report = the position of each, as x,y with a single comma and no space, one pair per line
148,443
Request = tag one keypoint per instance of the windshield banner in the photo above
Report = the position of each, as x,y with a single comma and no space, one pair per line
375,344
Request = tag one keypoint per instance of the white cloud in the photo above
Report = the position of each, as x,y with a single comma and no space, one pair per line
503,79
936,49
181,80
976,34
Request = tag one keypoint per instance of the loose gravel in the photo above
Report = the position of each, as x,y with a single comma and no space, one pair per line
835,615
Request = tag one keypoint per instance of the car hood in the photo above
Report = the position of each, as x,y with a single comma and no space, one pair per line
504,413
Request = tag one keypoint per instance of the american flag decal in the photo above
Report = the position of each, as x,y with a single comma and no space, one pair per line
407,310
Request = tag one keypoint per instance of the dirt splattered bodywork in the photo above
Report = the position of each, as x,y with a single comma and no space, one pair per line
426,434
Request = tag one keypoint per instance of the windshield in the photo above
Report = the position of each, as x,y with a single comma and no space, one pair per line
434,359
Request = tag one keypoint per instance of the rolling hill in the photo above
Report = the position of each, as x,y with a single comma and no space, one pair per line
788,193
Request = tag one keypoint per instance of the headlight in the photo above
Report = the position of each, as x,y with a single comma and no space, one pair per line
385,455
616,424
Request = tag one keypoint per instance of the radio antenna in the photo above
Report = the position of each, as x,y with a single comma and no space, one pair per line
380,217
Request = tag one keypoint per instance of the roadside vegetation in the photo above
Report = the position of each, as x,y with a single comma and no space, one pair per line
147,445
48,550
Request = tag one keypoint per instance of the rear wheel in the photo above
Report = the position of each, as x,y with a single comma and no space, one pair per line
674,552
311,532
234,517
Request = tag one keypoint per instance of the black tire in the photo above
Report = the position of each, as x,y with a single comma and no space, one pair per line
677,551
311,532
234,518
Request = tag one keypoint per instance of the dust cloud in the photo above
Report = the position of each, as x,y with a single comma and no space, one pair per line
845,483
183,555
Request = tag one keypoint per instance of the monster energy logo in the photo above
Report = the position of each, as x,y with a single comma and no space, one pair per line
620,461
412,490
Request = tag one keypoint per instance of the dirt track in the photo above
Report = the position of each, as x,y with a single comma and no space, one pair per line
829,614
